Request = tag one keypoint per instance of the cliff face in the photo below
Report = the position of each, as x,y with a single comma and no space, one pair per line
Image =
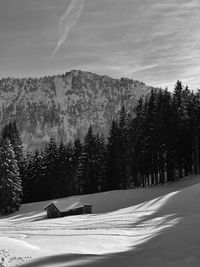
64,106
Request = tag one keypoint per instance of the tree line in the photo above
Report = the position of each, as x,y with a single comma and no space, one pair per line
158,143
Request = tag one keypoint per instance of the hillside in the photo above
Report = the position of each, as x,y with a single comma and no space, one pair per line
64,106
155,226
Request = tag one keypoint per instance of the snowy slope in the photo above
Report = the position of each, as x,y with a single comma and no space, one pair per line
157,226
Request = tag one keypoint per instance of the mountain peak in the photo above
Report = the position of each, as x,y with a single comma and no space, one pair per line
63,106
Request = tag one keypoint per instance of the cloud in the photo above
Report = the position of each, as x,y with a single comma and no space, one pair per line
67,21
155,42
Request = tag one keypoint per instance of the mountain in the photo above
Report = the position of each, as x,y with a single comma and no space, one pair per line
63,106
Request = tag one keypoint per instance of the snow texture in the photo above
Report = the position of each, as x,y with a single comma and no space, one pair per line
155,226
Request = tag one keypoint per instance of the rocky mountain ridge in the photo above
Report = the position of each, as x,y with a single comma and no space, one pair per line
63,106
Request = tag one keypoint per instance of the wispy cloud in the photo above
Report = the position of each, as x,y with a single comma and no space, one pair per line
157,42
68,20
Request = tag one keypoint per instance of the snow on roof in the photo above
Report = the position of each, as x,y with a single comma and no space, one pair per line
65,205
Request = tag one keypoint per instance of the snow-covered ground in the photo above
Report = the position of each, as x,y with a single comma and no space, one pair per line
156,226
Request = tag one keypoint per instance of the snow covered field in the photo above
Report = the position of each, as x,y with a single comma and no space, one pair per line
156,226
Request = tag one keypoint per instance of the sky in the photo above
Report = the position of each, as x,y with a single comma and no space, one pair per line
156,42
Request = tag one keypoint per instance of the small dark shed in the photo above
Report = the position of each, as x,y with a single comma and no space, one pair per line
61,208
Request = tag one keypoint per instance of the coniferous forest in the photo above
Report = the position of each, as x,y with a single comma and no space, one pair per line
156,144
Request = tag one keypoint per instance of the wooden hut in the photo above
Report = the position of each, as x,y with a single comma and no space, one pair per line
61,208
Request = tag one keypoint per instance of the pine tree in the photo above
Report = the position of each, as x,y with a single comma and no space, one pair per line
88,169
186,131
35,186
51,163
139,143
24,178
85,159
11,132
194,125
65,170
151,139
62,170
113,164
77,150
10,182
122,145
163,116
178,123
100,163
181,99
167,135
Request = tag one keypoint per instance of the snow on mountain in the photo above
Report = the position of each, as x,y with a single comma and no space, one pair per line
64,106
155,226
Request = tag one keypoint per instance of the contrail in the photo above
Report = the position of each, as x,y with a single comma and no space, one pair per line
67,21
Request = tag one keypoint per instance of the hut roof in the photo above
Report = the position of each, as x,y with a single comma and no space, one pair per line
64,205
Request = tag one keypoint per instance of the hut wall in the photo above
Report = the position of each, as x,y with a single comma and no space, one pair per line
77,211
52,212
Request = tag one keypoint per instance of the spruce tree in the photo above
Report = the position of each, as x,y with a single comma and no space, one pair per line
89,165
64,170
11,132
139,143
35,186
194,125
10,182
51,163
113,164
100,163
123,149
77,150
